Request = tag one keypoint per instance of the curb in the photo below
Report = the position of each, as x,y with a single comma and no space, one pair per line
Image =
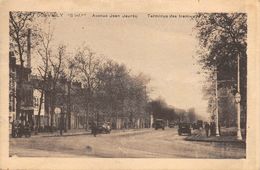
89,133
219,141
65,135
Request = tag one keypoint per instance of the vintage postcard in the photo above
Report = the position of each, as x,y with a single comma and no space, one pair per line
129,85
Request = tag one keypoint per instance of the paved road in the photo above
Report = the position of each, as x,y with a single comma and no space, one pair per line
146,143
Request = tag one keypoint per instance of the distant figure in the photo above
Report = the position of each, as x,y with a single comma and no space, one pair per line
27,125
15,128
94,128
20,129
212,129
27,129
207,129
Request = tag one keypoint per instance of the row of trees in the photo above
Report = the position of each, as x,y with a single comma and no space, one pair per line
108,88
222,39
161,110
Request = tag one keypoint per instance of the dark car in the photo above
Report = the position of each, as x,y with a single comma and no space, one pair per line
103,127
159,124
18,129
184,128
171,125
195,126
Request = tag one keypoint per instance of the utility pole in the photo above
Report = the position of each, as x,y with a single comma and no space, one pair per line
217,129
238,99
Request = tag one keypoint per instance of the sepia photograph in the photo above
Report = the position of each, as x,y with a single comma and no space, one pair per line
129,85
123,85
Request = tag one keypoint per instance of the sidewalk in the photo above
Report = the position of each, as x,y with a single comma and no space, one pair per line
76,132
200,135
72,132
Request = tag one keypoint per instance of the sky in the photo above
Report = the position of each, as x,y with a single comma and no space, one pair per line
162,48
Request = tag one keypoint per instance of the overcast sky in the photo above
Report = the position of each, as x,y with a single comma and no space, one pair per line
162,48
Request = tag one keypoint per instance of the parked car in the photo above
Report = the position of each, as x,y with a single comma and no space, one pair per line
18,129
159,124
171,125
184,128
103,127
195,126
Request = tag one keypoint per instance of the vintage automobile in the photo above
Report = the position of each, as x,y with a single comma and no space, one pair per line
103,127
184,128
159,124
18,130
171,125
195,126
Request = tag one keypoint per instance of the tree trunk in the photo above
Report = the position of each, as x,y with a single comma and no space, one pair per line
39,111
86,120
69,107
52,110
18,102
52,114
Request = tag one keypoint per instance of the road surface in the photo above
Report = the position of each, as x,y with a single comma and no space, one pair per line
144,143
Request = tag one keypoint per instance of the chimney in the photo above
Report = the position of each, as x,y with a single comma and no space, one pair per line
29,49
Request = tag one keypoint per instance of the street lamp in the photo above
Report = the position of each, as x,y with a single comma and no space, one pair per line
217,129
58,110
238,99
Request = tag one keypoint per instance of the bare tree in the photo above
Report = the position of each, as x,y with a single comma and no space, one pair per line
70,71
19,24
44,51
57,66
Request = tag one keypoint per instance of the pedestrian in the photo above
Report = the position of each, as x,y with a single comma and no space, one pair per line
207,129
219,129
212,129
13,129
27,129
94,128
20,129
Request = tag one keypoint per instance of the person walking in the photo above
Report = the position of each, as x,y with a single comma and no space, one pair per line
94,129
20,129
27,129
207,129
212,129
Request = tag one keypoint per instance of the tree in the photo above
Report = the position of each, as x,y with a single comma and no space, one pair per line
19,23
57,71
44,52
19,28
157,108
23,27
191,115
121,94
114,83
227,115
222,37
70,71
87,65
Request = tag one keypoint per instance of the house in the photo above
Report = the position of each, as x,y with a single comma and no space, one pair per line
20,92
